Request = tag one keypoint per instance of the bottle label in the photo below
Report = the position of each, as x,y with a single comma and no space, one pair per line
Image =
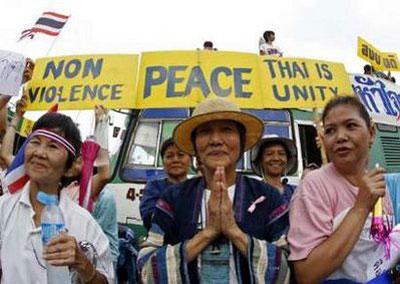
50,231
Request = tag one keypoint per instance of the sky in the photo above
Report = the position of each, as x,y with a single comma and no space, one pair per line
304,28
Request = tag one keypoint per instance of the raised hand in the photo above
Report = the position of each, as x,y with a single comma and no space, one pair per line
371,186
100,113
28,71
21,105
214,204
228,223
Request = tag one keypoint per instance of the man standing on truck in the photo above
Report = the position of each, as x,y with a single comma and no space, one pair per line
267,48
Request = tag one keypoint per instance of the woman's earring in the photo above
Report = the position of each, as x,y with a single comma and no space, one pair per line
284,179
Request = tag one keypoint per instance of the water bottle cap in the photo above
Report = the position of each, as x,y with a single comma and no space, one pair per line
47,199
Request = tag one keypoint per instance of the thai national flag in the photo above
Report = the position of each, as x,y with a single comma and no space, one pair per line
26,33
49,23
16,176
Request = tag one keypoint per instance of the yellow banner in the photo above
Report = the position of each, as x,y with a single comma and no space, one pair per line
83,81
302,83
381,61
184,78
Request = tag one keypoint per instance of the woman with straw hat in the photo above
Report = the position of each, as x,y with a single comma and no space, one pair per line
272,158
218,227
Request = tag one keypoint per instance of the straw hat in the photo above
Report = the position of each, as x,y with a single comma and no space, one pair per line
212,110
288,144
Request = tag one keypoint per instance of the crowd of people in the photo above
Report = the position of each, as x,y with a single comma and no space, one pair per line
219,226
224,226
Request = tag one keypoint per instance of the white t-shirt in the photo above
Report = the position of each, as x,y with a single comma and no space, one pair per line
270,49
20,240
3,184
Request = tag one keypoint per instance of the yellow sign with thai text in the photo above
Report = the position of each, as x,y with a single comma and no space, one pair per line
381,61
185,78
83,81
302,83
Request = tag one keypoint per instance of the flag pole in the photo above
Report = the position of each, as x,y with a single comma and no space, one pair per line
51,46
318,126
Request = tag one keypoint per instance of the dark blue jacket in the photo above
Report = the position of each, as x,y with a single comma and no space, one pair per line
176,218
152,191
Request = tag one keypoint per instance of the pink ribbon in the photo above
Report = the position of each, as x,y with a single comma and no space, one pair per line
253,205
381,231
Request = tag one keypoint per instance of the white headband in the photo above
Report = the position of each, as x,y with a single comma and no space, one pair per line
55,137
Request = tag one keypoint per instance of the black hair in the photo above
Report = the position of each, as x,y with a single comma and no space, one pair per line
208,44
165,145
273,143
367,69
349,101
64,126
242,138
311,166
267,34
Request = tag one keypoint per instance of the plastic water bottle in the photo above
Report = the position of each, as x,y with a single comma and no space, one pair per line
52,223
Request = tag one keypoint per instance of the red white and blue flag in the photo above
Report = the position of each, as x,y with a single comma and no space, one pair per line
49,23
16,176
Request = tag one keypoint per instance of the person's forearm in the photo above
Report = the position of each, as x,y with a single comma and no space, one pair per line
103,168
89,274
87,271
4,100
103,175
6,150
329,255
198,243
240,241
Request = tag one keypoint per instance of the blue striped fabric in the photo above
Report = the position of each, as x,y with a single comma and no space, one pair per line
159,266
274,263
50,23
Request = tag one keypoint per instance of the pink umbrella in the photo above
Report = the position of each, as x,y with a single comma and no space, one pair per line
89,152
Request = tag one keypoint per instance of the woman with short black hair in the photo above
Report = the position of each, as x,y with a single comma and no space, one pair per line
176,167
330,214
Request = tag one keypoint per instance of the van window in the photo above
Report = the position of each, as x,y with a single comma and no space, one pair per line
166,132
144,148
309,150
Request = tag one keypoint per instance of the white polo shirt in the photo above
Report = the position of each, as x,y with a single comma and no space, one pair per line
20,240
